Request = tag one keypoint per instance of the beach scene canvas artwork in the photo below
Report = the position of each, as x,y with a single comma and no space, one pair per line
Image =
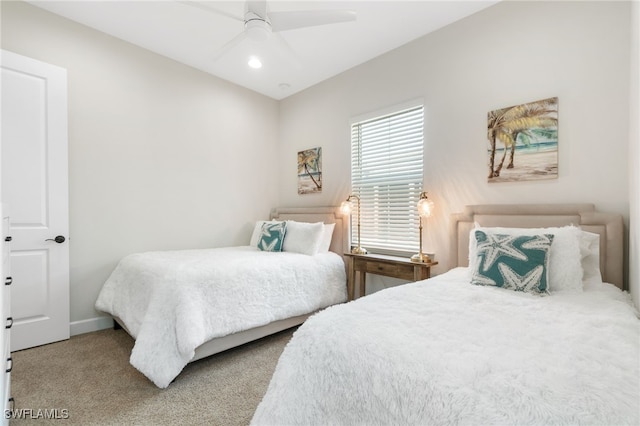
310,171
523,142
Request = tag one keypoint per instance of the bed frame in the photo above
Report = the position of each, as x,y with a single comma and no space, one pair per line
339,244
608,225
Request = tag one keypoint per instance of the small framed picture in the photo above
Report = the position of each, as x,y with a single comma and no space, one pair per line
310,171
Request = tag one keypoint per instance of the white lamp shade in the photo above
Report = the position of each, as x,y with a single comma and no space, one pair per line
425,207
346,208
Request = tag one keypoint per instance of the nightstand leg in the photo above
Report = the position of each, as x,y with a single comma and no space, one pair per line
421,273
363,283
351,279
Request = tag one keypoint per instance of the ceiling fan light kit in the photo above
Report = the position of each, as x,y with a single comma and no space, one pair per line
255,62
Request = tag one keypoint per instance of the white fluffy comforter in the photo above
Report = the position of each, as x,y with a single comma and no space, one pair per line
173,301
442,351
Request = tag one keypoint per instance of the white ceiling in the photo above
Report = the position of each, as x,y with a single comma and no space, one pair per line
194,35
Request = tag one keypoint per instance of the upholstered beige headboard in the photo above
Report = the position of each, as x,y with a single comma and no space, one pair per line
340,239
608,225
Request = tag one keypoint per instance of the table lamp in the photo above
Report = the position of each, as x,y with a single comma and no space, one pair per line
347,208
425,208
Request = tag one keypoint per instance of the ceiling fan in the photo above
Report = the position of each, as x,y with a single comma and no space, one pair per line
261,25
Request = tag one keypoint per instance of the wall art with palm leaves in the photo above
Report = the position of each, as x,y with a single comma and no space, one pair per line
523,142
310,171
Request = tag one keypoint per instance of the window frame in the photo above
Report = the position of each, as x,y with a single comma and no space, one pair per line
371,239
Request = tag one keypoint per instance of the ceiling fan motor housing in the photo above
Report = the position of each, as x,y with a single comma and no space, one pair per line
257,28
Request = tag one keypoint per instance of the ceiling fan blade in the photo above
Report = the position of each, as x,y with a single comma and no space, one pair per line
283,21
289,54
202,5
229,45
259,7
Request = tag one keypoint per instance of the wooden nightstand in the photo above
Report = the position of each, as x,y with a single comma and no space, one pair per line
379,264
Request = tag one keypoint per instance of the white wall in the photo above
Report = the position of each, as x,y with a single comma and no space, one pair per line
161,156
508,54
634,156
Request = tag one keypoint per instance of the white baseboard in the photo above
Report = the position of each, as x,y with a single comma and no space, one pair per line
89,325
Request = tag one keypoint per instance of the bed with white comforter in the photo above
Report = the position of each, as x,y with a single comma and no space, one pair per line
173,301
181,306
442,351
457,349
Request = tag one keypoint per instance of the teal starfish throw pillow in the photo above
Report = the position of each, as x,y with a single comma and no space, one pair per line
513,262
272,236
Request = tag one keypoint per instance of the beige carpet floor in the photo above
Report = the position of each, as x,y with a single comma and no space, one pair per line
90,377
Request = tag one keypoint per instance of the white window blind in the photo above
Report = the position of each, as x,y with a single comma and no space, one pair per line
386,173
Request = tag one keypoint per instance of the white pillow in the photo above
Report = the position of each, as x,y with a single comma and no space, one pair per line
327,234
257,230
565,267
302,237
590,255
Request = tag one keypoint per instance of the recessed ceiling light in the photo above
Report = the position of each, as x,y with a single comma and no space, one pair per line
284,86
255,62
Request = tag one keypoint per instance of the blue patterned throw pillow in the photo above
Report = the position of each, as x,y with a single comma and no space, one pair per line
513,262
272,236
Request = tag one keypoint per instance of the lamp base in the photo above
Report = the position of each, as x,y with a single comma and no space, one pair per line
421,258
359,250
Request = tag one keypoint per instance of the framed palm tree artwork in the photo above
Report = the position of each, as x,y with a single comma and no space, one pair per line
523,142
310,171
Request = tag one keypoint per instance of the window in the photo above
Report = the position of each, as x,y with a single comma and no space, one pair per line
386,173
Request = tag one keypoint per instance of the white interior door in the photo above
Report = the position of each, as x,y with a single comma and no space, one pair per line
35,185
